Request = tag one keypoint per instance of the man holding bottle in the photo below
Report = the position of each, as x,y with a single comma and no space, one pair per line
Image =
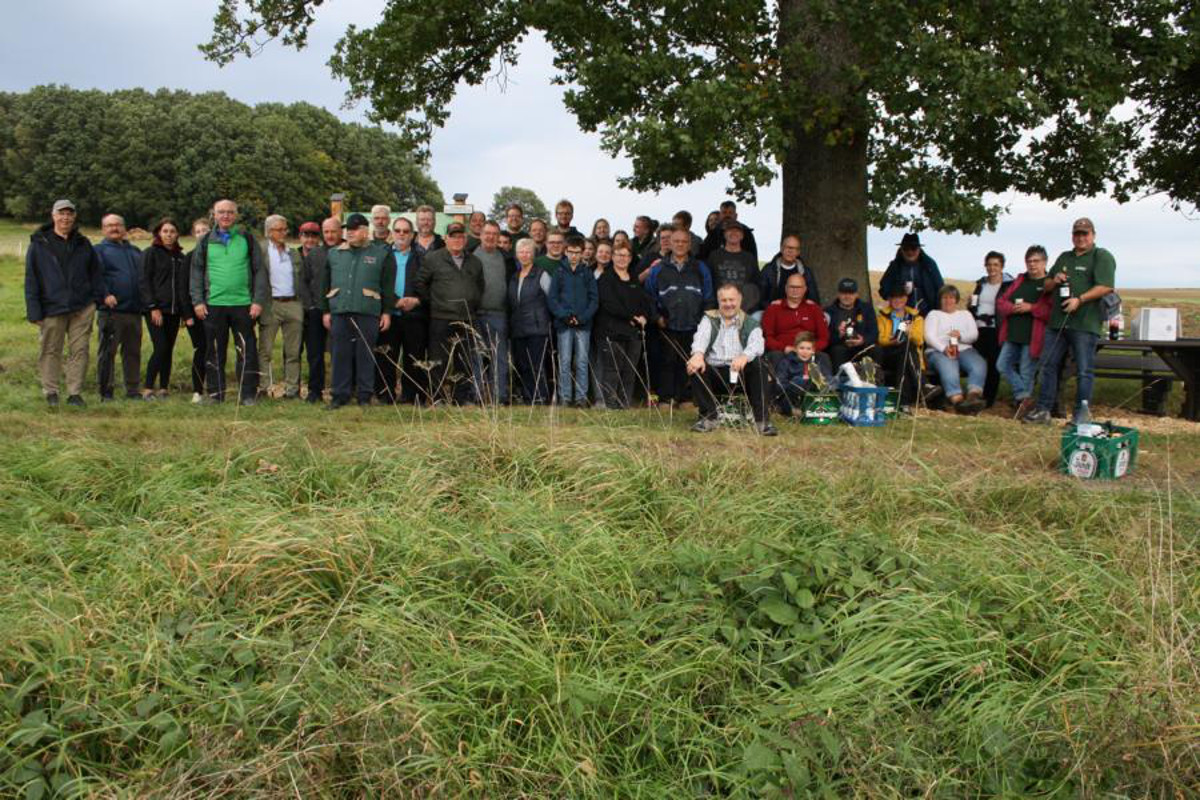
1079,279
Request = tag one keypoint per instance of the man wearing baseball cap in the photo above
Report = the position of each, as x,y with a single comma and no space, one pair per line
1079,279
852,325
64,283
450,284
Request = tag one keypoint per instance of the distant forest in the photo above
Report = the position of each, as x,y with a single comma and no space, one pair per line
145,155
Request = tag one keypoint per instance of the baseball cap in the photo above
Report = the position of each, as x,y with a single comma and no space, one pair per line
59,205
355,221
311,227
847,285
1083,224
455,228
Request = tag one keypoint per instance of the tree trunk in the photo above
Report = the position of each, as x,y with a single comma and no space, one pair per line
824,185
825,203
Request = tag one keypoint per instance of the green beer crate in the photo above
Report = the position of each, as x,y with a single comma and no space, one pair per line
820,409
891,405
1105,457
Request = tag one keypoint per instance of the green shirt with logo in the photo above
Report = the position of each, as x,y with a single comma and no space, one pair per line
1020,326
1096,267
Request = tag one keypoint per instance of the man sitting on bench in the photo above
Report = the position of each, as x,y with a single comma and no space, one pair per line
727,353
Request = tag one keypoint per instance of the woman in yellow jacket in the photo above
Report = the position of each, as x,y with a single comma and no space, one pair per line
901,346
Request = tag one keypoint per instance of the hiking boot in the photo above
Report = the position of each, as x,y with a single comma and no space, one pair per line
52,399
77,401
704,425
971,405
1025,406
1039,416
248,401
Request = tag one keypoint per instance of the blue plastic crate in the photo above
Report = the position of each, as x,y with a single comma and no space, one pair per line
863,406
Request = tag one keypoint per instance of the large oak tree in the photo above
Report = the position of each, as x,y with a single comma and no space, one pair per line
874,112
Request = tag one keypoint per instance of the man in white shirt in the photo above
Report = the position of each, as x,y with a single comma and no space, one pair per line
726,355
285,311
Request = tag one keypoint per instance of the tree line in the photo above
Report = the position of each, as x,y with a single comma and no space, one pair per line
148,154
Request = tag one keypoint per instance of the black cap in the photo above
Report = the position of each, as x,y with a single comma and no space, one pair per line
455,228
732,223
847,285
910,240
355,221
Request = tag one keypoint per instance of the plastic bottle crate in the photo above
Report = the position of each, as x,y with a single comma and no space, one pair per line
863,406
820,409
1102,458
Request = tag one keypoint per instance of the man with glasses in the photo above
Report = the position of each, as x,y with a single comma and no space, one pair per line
916,272
314,271
120,320
285,311
404,343
64,283
229,287
514,223
449,284
555,258
1079,279
774,276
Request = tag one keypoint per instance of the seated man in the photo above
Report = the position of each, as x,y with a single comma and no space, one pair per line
725,353
852,326
785,318
802,371
901,340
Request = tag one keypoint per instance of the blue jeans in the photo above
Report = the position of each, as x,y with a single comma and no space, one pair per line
491,360
1017,366
1083,347
948,368
573,342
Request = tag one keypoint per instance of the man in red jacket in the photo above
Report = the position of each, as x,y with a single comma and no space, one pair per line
785,318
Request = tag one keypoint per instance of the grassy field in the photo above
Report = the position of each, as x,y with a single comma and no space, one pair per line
278,601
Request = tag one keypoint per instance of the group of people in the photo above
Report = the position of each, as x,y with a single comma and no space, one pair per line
659,315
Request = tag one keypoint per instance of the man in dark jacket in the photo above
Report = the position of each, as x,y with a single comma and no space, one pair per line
573,301
64,283
314,274
357,306
682,290
716,237
450,284
229,286
120,324
732,263
852,325
491,363
773,279
404,343
913,270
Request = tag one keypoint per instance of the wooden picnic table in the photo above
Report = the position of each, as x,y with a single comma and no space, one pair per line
1182,356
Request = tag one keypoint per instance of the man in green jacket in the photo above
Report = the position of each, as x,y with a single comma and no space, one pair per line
450,284
229,287
357,305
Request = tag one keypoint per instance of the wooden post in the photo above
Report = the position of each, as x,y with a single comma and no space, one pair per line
335,204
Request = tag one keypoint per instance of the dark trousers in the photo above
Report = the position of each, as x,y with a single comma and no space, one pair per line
902,370
399,349
530,354
199,352
162,339
714,384
839,354
673,378
450,346
315,340
119,329
218,325
988,346
352,340
620,359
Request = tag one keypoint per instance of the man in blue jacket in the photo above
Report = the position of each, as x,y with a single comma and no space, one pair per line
119,322
573,301
682,289
916,272
853,329
63,285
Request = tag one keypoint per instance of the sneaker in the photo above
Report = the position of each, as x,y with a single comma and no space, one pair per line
971,405
52,399
1026,405
209,400
77,401
1039,416
196,398
293,394
703,425
766,429
248,401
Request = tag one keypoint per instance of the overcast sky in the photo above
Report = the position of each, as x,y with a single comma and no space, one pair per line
522,136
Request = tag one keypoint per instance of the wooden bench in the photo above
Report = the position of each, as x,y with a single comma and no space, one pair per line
1135,361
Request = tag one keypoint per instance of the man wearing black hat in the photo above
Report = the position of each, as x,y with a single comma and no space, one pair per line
913,270
733,264
450,284
852,325
357,305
